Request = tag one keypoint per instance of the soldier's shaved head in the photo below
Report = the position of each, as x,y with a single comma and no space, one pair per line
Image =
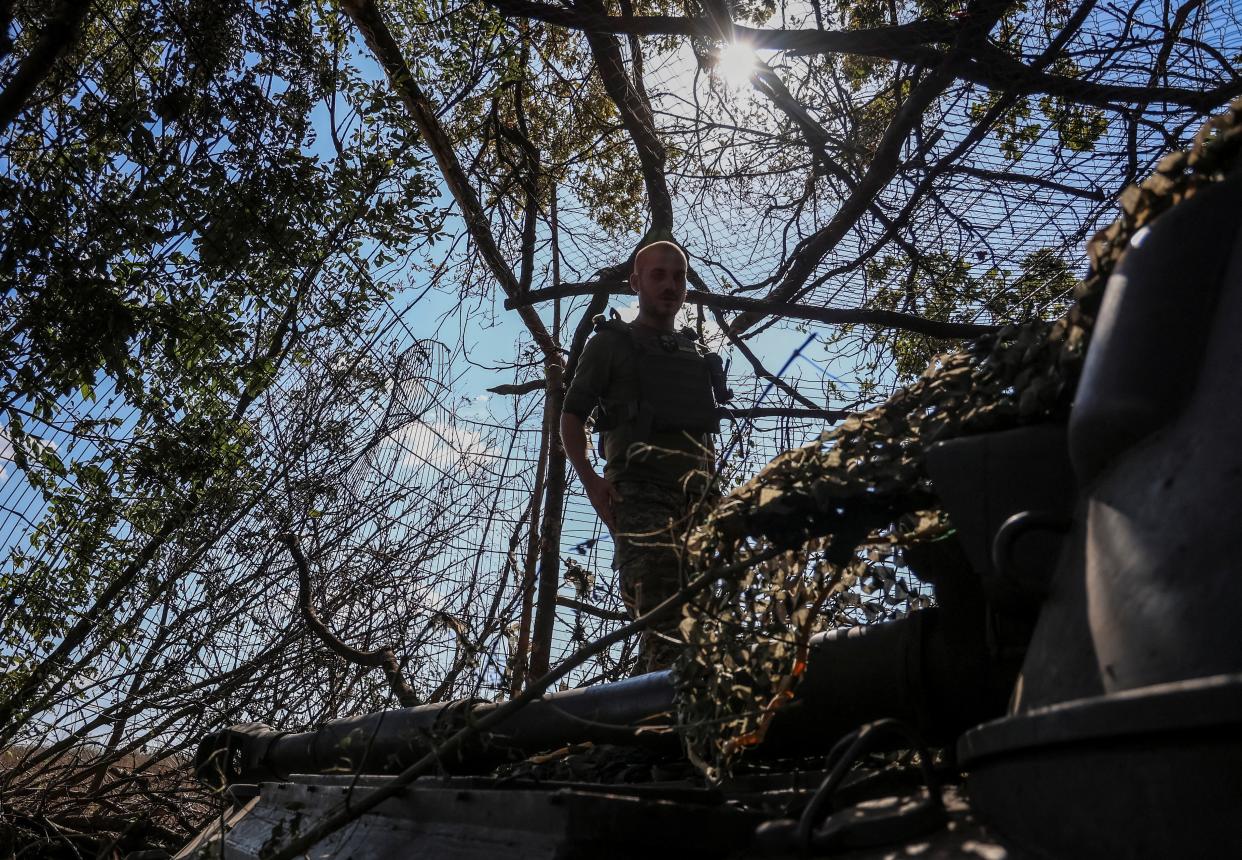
656,249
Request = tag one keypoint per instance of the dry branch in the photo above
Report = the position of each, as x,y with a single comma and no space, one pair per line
912,42
580,606
521,656
22,701
760,370
636,116
383,658
885,163
550,530
1097,194
829,415
519,388
764,307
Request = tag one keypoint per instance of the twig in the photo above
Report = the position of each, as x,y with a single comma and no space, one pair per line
383,658
757,365
788,412
581,606
370,23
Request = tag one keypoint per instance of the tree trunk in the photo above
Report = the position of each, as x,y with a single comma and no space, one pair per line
550,533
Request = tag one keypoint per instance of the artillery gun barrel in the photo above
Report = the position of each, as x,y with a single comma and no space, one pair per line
907,668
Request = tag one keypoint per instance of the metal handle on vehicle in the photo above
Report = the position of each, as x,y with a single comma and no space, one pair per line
1007,536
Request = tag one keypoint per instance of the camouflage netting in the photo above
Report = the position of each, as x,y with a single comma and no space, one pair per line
841,510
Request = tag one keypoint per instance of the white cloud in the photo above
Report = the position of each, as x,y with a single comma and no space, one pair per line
34,446
443,446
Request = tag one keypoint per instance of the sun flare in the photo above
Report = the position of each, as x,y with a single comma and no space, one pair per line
735,64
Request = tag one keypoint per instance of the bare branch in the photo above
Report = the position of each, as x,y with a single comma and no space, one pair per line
764,307
906,42
636,116
519,388
380,658
829,415
998,71
757,365
550,530
580,606
1020,178
918,43
884,164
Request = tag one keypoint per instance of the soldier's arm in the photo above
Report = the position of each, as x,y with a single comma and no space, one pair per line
599,489
589,383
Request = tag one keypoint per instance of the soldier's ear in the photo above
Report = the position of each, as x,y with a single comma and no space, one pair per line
634,281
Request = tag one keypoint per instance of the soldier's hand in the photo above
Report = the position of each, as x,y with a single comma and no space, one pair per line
603,495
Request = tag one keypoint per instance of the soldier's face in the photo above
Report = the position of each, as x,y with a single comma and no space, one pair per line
659,278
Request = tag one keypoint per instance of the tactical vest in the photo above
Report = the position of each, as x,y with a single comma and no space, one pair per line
679,383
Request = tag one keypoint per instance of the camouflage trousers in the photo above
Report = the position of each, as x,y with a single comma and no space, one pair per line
652,524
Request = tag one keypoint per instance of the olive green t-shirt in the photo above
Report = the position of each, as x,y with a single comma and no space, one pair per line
607,374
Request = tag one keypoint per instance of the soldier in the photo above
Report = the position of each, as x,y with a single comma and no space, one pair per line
652,392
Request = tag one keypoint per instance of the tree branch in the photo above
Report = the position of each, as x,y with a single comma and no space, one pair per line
770,84
579,606
22,700
980,130
1038,181
830,415
383,658
550,530
597,305
917,43
636,116
811,410
764,307
59,35
884,164
757,365
530,181
379,39
520,388
996,70
906,42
